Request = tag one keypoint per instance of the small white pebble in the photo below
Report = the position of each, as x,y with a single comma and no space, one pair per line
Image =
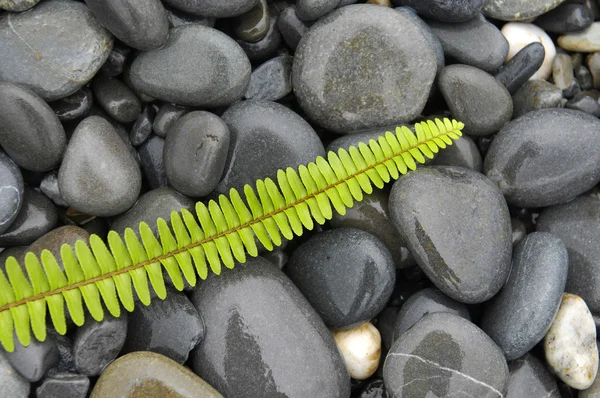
361,349
570,344
520,34
587,40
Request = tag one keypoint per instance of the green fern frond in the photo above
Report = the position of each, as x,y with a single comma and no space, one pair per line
221,232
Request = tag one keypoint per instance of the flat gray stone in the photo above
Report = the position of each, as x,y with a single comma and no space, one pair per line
34,361
518,10
454,11
62,385
272,80
11,191
119,102
535,95
13,384
214,8
530,377
310,10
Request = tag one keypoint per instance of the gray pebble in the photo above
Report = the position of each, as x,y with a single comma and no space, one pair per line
13,384
292,28
11,191
17,5
272,80
142,128
63,385
214,8
535,95
566,18
151,158
462,153
530,377
34,361
266,47
116,99
518,10
75,106
453,11
521,67
310,10
584,103
167,115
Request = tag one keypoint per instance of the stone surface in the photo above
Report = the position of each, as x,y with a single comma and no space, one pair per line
584,77
39,51
13,384
454,11
177,18
30,132
214,8
17,5
535,95
197,66
565,18
166,116
53,240
291,27
361,349
116,99
445,355
310,10
34,361
538,274
521,34
11,192
529,377
340,62
62,385
584,103
587,40
562,71
75,106
467,258
142,128
431,38
272,80
141,24
517,10
521,67
266,47
151,158
253,25
202,138
99,175
346,274
117,59
263,338
570,345
545,157
462,153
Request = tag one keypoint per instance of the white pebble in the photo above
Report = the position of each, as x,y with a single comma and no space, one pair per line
361,349
520,34
570,344
587,40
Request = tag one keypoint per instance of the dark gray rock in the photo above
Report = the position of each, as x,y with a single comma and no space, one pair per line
39,51
99,175
584,77
348,140
310,10
545,157
62,385
66,361
386,320
433,40
462,153
116,99
11,192
444,355
151,158
454,11
375,388
75,106
272,80
535,95
142,128
197,66
259,127
202,139
566,18
30,132
577,224
521,67
266,47
346,274
177,18
467,258
13,384
141,24
339,64
167,115
519,231
423,302
517,10
53,240
116,62
263,338
17,5
34,361
584,103
291,27
253,25
538,274
529,377
214,8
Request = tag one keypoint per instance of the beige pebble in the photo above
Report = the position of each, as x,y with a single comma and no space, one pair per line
361,349
587,40
385,3
520,34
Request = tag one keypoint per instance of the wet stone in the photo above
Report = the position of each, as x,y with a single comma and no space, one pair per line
75,106
272,80
151,158
521,67
116,99
11,193
565,18
177,18
266,47
253,25
13,384
62,385
529,377
115,63
360,347
167,115
462,153
535,95
521,34
142,128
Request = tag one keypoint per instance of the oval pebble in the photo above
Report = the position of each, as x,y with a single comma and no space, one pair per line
587,40
11,191
520,34
214,8
360,347
518,10
529,377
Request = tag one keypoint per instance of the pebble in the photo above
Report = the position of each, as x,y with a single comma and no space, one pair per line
13,384
565,18
11,192
247,352
467,258
375,388
178,18
310,10
34,361
37,216
253,25
519,231
17,5
259,126
476,98
521,67
75,106
65,351
116,99
562,71
361,349
346,274
142,128
59,65
518,10
152,162
476,42
141,25
386,320
529,377
172,73
423,302
214,8
445,355
584,103
454,11
116,62
535,95
155,375
272,80
584,77
431,38
538,274
53,240
594,390
99,175
97,344
339,63
62,385
520,34
202,138
176,327
167,115
265,48
30,131
570,345
549,179
462,153
291,27
587,40
593,63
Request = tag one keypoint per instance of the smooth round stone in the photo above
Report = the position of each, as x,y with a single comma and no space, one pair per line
570,345
214,8
17,252
585,104
116,62
562,71
587,40
97,344
153,204
339,63
75,106
467,258
310,10
346,274
361,349
13,384
432,39
151,158
116,99
584,77
476,98
167,115
545,157
454,11
529,377
17,5
462,153
291,27
38,54
11,192
34,361
539,274
30,131
476,42
535,95
202,138
176,327
521,67
155,376
260,127
53,240
62,385
197,66
253,25
272,80
518,10
99,175
142,128
521,34
282,349
566,18
141,24
444,355
177,18
266,47
426,301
